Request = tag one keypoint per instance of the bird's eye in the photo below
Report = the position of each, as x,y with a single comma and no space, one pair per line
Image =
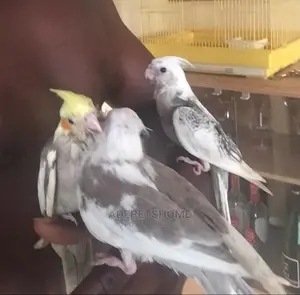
163,70
71,121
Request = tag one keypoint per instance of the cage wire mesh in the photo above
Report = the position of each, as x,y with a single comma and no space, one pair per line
263,25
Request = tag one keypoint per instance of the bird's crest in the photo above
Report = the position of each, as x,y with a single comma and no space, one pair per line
73,103
182,62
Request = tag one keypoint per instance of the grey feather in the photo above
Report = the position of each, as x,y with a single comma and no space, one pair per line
190,125
76,262
203,137
214,282
208,141
58,174
187,196
133,202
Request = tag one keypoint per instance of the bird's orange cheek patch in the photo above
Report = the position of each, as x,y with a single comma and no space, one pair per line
65,124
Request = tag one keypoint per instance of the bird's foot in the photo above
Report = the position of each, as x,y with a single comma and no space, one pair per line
40,244
206,166
128,266
198,167
70,217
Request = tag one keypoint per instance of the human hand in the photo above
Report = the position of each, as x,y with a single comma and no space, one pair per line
57,230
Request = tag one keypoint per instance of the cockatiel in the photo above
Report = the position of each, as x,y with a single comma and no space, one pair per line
59,170
150,213
190,125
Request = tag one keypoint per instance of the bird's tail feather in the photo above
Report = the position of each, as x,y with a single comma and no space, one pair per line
218,283
220,186
76,263
251,173
247,256
255,178
261,186
210,281
240,169
245,172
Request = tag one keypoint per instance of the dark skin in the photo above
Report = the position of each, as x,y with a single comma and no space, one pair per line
77,45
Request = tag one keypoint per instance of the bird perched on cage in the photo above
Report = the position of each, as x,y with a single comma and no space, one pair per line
58,174
151,213
190,125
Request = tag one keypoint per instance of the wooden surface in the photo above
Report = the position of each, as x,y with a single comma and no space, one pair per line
191,287
287,86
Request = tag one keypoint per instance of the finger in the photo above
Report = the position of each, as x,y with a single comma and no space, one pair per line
59,231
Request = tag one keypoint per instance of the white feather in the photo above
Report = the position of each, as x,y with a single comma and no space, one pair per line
51,189
204,145
129,173
172,85
128,202
46,202
222,180
146,247
41,185
119,145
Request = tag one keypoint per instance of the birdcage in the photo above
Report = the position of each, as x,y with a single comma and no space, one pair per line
239,37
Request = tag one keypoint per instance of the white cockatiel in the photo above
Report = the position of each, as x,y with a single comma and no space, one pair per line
190,125
59,170
151,213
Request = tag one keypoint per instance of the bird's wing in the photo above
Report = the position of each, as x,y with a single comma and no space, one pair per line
199,134
204,138
188,197
47,179
76,259
151,224
155,213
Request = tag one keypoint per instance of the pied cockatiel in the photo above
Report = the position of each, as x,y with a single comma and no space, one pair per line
151,213
190,125
58,174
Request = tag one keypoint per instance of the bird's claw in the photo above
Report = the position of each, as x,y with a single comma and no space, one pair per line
198,167
70,217
206,166
104,258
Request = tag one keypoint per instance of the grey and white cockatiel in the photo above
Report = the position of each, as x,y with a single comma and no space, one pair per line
151,213
58,174
190,125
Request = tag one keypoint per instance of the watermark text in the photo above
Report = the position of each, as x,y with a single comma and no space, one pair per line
151,214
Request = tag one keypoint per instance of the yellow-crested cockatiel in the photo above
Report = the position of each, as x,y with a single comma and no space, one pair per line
57,179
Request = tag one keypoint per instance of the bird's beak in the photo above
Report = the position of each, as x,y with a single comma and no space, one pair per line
145,133
92,123
149,74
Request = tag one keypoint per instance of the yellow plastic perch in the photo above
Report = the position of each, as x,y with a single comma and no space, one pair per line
236,37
